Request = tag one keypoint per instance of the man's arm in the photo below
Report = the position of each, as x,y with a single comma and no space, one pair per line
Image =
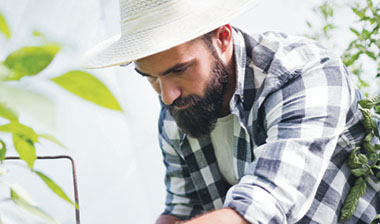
220,216
167,219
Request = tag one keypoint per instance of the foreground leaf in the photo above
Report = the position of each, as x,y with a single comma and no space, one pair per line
376,220
3,150
52,139
4,27
88,87
7,112
18,198
25,148
352,199
34,106
55,188
20,129
28,61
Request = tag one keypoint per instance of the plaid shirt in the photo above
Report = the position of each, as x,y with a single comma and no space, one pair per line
297,122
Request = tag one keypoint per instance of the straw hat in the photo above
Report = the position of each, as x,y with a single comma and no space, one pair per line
152,26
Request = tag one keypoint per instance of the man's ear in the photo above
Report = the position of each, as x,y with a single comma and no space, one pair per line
223,37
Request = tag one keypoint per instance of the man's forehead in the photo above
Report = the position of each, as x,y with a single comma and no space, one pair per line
168,58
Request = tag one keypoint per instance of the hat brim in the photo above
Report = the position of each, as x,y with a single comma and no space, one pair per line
125,48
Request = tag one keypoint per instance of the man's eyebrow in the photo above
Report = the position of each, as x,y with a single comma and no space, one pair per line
141,73
171,69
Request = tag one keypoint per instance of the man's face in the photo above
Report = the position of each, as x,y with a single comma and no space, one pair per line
191,80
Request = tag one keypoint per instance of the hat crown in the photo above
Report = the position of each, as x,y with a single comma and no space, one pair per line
131,8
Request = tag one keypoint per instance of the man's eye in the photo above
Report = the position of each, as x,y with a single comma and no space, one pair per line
180,70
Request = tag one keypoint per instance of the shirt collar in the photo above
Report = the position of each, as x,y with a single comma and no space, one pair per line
240,57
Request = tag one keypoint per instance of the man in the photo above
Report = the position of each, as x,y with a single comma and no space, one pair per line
253,128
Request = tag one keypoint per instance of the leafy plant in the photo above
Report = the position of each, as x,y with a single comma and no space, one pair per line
364,161
364,164
364,48
30,61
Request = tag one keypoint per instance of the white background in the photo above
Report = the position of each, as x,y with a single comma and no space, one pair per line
118,161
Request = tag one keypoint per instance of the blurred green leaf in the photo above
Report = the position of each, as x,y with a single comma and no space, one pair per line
3,150
88,87
355,31
36,33
52,139
4,27
376,220
18,197
33,106
20,129
25,148
7,112
55,188
28,61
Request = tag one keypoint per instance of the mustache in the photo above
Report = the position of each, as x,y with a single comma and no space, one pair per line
183,101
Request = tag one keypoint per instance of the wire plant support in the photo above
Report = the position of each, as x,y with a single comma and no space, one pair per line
76,198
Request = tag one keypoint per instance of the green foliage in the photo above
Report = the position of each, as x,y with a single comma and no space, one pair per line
3,150
7,113
366,42
364,163
55,188
28,61
4,29
88,87
352,199
18,198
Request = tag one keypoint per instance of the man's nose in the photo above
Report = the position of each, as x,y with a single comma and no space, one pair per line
170,91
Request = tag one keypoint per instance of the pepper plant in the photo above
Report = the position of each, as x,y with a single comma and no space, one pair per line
364,161
30,61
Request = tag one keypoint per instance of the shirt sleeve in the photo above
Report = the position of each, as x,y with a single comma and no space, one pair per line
303,121
181,197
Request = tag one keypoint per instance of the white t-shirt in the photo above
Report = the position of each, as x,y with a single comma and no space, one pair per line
222,140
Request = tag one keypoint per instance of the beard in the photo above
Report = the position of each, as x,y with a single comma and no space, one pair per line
200,117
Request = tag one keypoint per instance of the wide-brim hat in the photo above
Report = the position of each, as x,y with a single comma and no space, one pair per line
153,26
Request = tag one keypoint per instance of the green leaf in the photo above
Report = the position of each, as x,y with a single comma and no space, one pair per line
363,159
3,150
370,54
369,147
4,27
52,139
20,129
353,160
34,106
352,199
19,197
358,172
55,188
7,112
355,31
308,24
350,60
359,13
367,122
376,220
88,87
25,148
28,61
375,128
368,137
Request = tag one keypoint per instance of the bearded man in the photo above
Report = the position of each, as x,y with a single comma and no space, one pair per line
253,128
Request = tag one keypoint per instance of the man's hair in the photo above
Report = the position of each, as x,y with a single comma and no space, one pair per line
207,39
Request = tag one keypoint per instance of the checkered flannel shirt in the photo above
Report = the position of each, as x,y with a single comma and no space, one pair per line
297,122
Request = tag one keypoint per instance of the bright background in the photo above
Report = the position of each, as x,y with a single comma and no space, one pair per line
118,160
